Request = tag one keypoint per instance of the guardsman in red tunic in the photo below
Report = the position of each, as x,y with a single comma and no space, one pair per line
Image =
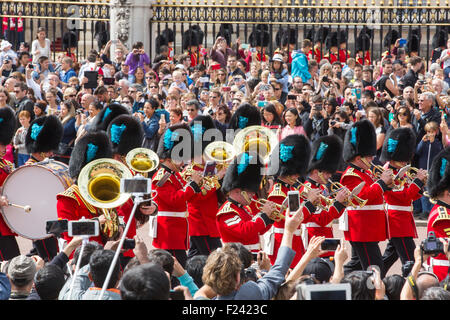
170,226
325,160
319,43
204,236
126,133
398,150
363,47
70,204
332,53
364,227
192,44
439,218
41,140
235,220
343,53
8,244
286,40
293,153
258,39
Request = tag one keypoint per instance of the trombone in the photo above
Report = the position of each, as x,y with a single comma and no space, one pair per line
306,189
336,186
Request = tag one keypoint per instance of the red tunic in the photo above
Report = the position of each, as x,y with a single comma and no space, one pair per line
367,60
320,223
172,218
343,56
70,205
236,223
6,168
202,211
366,224
400,210
439,222
317,53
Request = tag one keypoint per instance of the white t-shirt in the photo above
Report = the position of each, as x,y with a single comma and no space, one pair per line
443,54
46,51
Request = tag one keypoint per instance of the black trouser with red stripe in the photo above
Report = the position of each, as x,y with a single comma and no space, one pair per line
203,245
398,247
8,248
365,254
47,248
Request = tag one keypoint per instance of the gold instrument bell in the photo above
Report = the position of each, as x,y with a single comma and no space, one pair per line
142,160
221,152
256,139
99,184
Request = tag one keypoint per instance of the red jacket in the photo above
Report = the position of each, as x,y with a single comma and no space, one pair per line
172,218
236,223
367,61
439,222
70,205
6,168
202,211
367,224
320,223
343,56
400,210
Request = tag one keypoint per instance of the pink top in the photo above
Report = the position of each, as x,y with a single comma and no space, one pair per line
9,153
287,131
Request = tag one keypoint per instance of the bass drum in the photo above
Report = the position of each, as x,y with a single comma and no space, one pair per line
37,186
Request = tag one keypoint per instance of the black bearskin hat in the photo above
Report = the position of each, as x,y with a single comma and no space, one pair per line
309,34
245,116
70,40
439,173
360,140
342,36
225,31
199,125
44,134
326,154
107,114
168,34
332,40
321,34
190,38
285,37
179,134
126,133
390,38
90,147
363,40
413,44
244,173
440,38
259,38
8,124
399,145
293,153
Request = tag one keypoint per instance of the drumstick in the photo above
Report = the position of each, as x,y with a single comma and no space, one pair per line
26,208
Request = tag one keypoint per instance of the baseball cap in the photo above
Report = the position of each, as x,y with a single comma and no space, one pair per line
322,269
22,268
278,57
179,66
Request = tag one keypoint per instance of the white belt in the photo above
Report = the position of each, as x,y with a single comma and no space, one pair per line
183,214
281,230
438,262
373,207
399,208
312,225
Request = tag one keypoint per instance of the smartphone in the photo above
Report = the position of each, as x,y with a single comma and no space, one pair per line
114,41
108,81
226,88
293,201
402,42
292,97
204,79
245,46
253,50
338,74
210,169
215,67
136,185
92,77
129,244
56,226
330,244
83,228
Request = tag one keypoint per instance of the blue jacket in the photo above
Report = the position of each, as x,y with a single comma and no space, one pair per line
150,126
426,151
299,66
5,287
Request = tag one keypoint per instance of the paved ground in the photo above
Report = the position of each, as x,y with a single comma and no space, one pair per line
25,244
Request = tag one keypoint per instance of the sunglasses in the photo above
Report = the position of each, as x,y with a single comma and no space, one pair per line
402,114
190,110
153,87
132,91
276,89
149,77
71,95
126,101
220,113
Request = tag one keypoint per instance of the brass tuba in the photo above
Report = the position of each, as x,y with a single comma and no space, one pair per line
221,152
142,160
256,138
99,184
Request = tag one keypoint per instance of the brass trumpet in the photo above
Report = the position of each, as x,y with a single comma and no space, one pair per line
328,202
276,215
336,186
412,173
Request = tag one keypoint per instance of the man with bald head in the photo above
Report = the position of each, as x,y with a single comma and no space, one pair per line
426,113
86,100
